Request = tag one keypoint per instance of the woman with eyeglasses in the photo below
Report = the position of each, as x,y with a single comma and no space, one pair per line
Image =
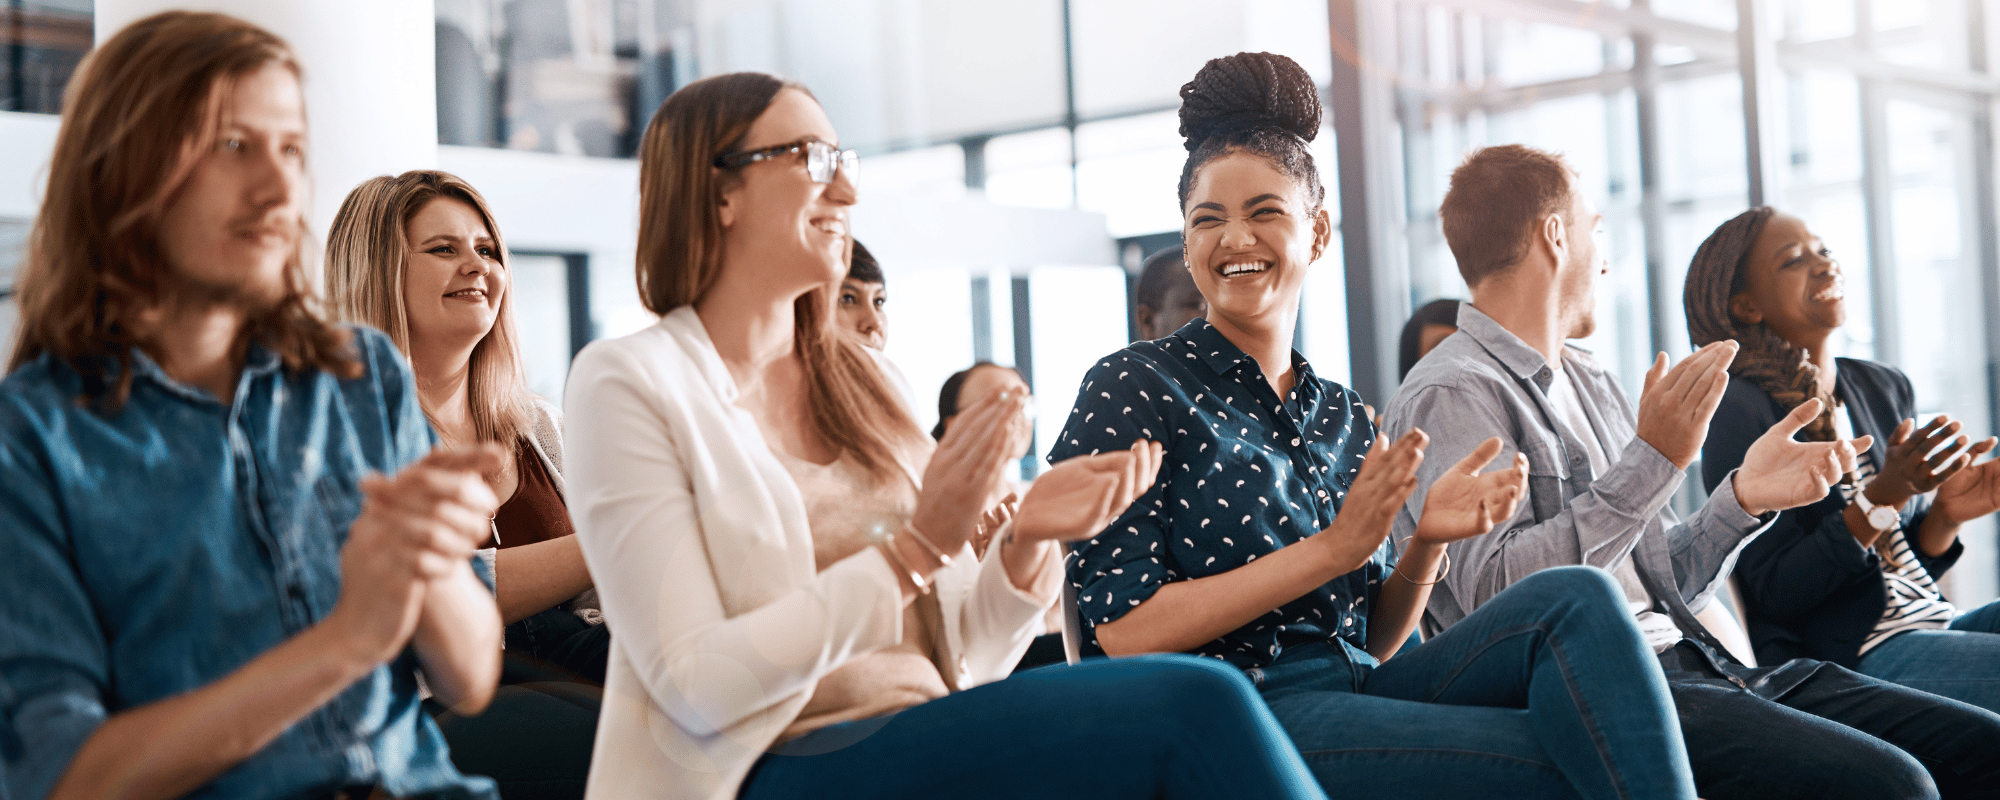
785,553
1263,543
1852,578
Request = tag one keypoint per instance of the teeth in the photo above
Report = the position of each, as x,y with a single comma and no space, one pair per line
831,225
1245,268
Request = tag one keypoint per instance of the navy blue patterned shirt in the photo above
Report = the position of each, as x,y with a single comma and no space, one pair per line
1243,475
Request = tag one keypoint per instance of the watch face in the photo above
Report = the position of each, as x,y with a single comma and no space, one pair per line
1882,518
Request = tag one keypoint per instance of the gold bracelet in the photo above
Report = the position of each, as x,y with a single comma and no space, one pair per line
888,545
1442,570
925,542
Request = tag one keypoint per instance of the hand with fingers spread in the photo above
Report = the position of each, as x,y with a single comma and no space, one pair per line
967,469
420,526
1463,502
1675,405
1388,476
1920,459
1080,496
1972,492
1780,472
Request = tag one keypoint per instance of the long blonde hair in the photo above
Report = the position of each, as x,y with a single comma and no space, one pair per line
680,255
367,254
141,110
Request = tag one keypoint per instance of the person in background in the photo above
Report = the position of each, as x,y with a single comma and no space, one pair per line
1165,297
963,390
1852,577
1263,546
1426,328
1601,474
786,555
229,546
861,304
419,256
968,386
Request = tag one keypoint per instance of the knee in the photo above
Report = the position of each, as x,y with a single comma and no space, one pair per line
1573,589
1889,775
1204,686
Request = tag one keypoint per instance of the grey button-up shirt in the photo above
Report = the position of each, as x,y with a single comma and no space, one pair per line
1484,381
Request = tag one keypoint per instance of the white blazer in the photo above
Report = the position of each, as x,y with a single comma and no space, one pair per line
698,541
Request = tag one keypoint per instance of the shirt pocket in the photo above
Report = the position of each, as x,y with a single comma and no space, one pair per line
1547,477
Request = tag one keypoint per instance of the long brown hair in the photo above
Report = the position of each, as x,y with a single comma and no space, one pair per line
367,254
141,110
680,255
1717,274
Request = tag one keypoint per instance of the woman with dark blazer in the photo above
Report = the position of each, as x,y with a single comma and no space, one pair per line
1850,579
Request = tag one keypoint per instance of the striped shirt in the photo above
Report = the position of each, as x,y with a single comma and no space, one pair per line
1914,602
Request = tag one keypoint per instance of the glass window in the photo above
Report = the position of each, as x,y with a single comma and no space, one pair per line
541,318
1030,169
931,172
1130,169
1078,315
41,43
929,335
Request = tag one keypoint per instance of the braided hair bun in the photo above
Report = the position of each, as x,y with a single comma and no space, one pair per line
1247,92
1259,103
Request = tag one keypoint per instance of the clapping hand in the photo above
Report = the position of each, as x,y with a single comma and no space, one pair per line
1082,495
1974,491
966,470
1921,459
1463,503
417,527
1388,476
1676,404
1780,473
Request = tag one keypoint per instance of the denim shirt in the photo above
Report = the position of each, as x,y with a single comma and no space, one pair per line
155,550
1243,475
1484,381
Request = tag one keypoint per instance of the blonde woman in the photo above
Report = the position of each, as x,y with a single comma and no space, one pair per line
419,256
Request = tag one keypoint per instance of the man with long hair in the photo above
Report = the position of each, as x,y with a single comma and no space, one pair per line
213,590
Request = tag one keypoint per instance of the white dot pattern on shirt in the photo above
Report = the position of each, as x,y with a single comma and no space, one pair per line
1247,451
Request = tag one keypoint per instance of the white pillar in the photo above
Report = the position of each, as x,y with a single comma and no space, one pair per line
371,84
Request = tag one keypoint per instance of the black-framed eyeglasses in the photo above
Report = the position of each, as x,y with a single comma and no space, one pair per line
822,159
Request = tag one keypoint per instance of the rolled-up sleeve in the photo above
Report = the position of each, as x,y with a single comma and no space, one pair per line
53,659
1122,566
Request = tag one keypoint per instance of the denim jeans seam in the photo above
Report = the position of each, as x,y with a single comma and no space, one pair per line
1569,682
1304,753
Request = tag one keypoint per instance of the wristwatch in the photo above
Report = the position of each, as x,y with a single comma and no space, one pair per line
1880,518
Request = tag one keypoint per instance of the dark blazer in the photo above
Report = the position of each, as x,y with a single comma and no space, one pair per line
1809,589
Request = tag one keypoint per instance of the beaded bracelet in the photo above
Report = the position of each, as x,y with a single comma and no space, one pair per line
1442,570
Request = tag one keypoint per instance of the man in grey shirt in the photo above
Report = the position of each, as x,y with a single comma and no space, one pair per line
1600,476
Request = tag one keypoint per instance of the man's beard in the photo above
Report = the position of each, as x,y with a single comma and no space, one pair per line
253,298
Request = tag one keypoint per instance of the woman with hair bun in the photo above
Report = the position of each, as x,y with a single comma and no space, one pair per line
787,556
1849,579
1264,546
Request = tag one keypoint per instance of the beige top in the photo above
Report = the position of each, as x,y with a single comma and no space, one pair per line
843,504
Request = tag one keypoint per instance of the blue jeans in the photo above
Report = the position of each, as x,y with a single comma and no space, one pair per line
1548,690
1815,729
1145,727
1962,663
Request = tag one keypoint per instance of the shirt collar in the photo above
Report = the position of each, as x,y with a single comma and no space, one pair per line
1215,351
257,361
1513,353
